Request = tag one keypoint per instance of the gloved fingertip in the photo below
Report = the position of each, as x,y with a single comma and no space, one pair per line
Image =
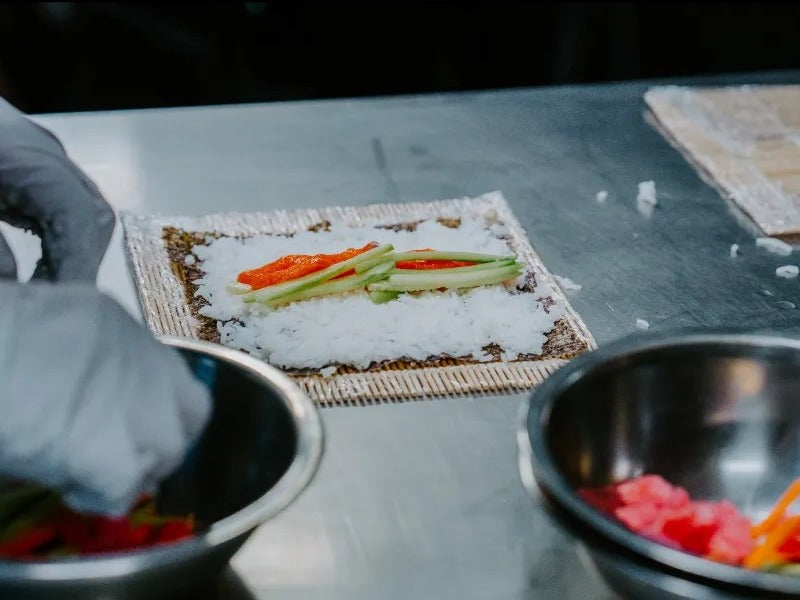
89,502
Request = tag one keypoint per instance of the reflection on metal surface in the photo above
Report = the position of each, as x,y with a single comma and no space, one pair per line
742,466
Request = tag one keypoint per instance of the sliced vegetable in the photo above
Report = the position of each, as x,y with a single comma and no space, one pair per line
469,269
17,499
335,286
767,552
294,266
47,528
420,265
383,297
29,517
368,264
779,510
431,280
238,289
26,542
273,292
439,255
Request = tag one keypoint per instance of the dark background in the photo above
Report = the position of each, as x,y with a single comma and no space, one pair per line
87,56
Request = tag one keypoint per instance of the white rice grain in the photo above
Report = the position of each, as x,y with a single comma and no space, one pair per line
734,250
642,325
601,196
787,271
774,245
567,284
350,329
646,200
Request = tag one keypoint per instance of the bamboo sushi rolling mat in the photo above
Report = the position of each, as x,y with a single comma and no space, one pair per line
165,293
745,141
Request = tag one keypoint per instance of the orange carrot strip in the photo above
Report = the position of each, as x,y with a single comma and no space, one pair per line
299,269
761,554
786,499
278,265
294,266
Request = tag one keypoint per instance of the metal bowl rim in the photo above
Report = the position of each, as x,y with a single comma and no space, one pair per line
537,466
306,460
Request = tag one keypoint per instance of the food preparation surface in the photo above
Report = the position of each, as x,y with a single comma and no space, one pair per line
746,140
423,500
158,253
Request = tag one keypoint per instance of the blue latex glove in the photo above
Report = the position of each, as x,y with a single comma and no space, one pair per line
90,403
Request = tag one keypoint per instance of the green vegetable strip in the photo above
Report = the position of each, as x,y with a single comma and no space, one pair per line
440,255
15,500
479,267
339,286
784,569
431,280
303,283
368,264
383,297
30,517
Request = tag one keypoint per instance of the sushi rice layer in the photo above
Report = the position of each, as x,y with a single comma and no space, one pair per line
350,329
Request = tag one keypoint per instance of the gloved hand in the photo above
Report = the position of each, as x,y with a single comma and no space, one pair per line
90,403
43,191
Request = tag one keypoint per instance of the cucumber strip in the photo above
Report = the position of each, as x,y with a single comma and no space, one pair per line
444,255
18,498
31,516
784,569
433,281
368,264
383,297
338,286
479,267
238,289
301,283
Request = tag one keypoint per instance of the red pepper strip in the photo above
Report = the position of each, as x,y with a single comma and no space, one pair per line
298,266
175,531
432,264
116,534
346,274
25,543
790,548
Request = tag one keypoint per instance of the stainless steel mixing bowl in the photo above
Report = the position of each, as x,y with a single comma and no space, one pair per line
716,414
260,449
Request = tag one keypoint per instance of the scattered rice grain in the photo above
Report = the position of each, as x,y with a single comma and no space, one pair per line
567,284
774,245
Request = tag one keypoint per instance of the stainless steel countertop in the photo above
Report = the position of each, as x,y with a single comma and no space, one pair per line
423,500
